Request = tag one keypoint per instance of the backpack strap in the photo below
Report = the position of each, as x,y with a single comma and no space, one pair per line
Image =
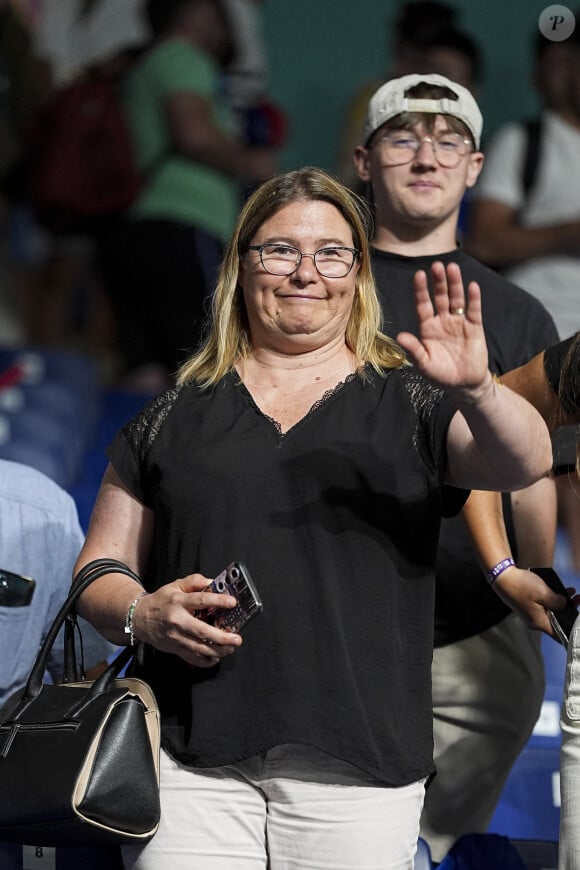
533,131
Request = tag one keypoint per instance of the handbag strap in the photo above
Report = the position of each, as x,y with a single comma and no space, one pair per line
87,575
71,626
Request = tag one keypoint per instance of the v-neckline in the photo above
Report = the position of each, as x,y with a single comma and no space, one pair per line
326,397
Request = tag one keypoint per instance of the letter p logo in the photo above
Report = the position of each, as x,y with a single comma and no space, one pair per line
557,23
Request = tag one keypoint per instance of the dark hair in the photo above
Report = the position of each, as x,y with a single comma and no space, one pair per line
430,24
542,44
423,20
162,14
569,386
463,45
86,7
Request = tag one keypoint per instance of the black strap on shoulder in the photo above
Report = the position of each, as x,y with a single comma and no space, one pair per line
533,131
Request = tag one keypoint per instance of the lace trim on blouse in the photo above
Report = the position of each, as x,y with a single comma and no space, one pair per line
143,429
326,397
424,399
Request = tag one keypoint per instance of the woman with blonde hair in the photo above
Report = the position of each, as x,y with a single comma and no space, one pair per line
300,441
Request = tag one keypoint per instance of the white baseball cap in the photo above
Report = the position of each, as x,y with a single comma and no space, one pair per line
390,100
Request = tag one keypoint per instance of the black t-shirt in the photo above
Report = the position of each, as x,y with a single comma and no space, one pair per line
337,521
517,327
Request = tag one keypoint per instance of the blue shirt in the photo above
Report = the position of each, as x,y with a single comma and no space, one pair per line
40,537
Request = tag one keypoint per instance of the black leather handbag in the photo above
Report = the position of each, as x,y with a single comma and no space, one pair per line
79,761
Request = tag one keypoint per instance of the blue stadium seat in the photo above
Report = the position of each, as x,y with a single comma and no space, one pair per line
423,857
33,438
42,363
74,372
38,457
529,807
59,403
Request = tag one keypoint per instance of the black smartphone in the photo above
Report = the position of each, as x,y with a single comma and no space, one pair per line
15,590
561,620
234,580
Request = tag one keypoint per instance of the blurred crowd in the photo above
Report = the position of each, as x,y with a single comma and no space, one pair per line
120,261
192,81
203,127
131,133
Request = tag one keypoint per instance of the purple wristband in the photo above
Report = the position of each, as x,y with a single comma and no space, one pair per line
498,569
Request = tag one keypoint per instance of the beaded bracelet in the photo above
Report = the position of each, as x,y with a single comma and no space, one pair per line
498,569
130,616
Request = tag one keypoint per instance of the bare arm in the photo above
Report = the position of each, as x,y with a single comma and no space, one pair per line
521,590
498,440
496,236
534,513
197,136
122,528
531,382
534,516
499,443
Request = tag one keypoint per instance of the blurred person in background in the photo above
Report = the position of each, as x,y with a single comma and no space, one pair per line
427,39
420,151
40,539
20,94
551,382
258,119
525,216
59,296
162,268
72,36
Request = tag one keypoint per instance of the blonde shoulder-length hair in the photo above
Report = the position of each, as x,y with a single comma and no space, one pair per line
227,340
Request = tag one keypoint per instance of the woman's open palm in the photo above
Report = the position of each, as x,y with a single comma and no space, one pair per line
450,349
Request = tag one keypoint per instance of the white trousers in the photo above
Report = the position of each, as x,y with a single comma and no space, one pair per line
569,850
292,808
487,696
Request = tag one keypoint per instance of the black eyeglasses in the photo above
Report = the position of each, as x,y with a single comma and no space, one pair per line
334,261
401,146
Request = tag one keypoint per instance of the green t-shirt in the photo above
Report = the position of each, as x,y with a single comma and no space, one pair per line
177,188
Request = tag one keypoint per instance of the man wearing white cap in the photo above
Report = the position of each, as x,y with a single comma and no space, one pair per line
420,154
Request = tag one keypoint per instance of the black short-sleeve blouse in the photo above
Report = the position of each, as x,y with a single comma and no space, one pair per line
337,520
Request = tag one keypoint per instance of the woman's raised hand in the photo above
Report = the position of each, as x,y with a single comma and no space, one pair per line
450,349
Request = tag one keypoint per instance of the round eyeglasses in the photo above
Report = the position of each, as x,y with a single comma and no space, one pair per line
334,261
401,147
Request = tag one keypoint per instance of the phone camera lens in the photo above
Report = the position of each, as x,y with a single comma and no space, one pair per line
235,574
